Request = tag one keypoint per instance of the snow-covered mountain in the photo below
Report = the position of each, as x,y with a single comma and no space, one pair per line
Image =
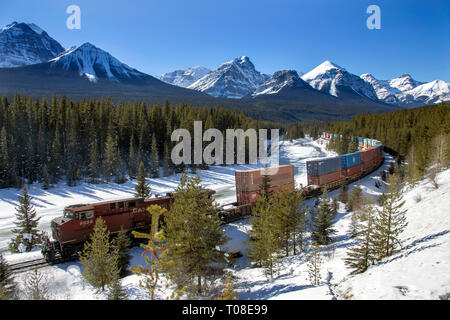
93,63
333,79
405,91
184,78
24,44
432,92
279,80
233,79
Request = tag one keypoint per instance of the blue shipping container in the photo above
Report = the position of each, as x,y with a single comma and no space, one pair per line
350,160
323,166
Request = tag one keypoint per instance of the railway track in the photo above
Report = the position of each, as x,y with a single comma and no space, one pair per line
28,265
37,264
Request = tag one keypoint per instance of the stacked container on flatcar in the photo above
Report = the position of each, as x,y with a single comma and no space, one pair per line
324,171
351,164
248,182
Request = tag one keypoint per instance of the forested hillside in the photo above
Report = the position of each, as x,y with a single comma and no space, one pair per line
47,141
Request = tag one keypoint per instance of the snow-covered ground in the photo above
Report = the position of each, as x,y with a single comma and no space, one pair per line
419,271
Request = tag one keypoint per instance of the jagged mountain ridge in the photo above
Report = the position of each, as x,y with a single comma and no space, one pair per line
407,92
24,44
333,79
93,63
234,79
184,78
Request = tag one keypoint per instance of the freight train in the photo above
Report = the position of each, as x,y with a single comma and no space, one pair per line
332,172
70,231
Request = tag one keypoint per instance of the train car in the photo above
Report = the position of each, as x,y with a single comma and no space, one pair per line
248,182
76,224
353,166
324,171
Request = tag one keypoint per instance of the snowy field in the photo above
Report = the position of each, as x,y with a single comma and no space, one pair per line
419,271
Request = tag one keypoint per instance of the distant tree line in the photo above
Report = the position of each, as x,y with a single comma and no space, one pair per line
97,140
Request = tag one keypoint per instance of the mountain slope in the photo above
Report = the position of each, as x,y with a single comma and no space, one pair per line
406,92
87,71
184,78
279,80
335,80
24,44
233,79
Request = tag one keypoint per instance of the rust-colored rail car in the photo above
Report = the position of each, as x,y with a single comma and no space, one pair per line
77,223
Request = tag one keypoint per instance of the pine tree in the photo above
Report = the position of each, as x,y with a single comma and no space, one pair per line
26,234
289,218
264,245
166,160
155,158
8,287
45,178
323,222
94,170
111,162
356,199
314,265
343,195
264,187
121,245
361,256
193,235
97,258
228,293
37,286
5,180
116,291
142,187
390,221
132,159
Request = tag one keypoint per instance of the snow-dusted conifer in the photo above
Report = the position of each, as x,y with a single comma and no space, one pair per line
26,235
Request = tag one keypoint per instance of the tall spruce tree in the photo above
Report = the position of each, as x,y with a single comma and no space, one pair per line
314,264
121,245
322,229
264,245
142,187
5,180
193,235
26,235
289,216
362,255
155,158
390,221
100,262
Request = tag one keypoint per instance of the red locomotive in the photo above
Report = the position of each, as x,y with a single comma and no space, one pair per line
75,226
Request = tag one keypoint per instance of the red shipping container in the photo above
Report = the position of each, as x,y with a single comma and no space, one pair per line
245,197
352,170
324,179
251,180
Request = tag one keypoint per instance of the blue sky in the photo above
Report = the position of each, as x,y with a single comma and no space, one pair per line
157,36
